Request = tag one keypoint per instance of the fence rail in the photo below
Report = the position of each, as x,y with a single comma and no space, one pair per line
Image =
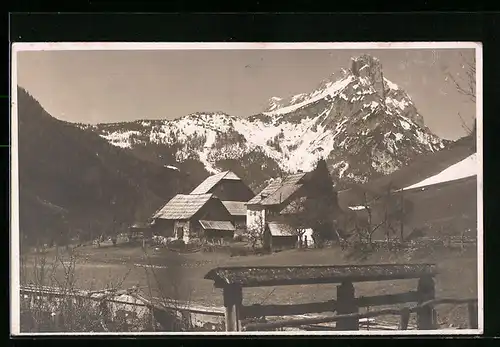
346,305
110,296
404,314
255,311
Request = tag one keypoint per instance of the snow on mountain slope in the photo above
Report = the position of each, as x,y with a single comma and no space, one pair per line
465,168
362,123
331,89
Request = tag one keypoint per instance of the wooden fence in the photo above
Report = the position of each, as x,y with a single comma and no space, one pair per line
404,314
130,300
233,279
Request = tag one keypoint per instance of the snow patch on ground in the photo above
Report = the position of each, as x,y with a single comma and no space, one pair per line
120,139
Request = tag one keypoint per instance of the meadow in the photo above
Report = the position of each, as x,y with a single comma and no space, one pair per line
162,273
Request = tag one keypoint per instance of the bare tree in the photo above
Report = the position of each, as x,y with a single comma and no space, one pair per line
386,210
397,211
465,85
255,231
368,227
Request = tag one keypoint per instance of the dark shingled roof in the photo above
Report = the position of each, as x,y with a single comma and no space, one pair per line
316,274
183,206
217,225
278,191
210,182
271,188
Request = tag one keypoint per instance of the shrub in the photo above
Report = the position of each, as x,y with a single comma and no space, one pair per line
177,244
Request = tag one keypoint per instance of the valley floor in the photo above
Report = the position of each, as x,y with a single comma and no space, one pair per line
162,273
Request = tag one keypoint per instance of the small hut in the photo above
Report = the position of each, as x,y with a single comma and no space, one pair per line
140,231
279,236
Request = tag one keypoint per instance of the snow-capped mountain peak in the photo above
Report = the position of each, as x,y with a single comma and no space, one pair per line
361,122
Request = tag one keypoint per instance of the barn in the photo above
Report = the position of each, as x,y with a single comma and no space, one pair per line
227,186
186,217
232,192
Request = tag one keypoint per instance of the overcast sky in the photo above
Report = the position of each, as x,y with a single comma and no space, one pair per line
113,86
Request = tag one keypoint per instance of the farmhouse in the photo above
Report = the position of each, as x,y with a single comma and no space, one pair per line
233,193
193,216
303,201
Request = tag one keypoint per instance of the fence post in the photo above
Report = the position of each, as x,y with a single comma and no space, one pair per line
426,292
346,303
232,302
404,319
472,308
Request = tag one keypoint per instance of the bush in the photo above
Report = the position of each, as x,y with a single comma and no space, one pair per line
177,244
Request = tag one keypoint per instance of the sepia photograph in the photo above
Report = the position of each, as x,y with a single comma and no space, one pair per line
246,188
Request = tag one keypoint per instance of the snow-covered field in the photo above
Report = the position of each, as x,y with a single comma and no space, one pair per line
465,168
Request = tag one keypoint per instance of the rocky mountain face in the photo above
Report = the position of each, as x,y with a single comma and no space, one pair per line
364,125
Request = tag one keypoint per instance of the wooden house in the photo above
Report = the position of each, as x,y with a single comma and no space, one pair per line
186,217
285,201
232,192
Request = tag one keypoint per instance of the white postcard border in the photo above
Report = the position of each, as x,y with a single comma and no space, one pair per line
65,46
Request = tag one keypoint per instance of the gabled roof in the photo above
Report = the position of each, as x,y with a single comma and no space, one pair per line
271,188
279,191
183,206
281,229
217,225
235,208
210,182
